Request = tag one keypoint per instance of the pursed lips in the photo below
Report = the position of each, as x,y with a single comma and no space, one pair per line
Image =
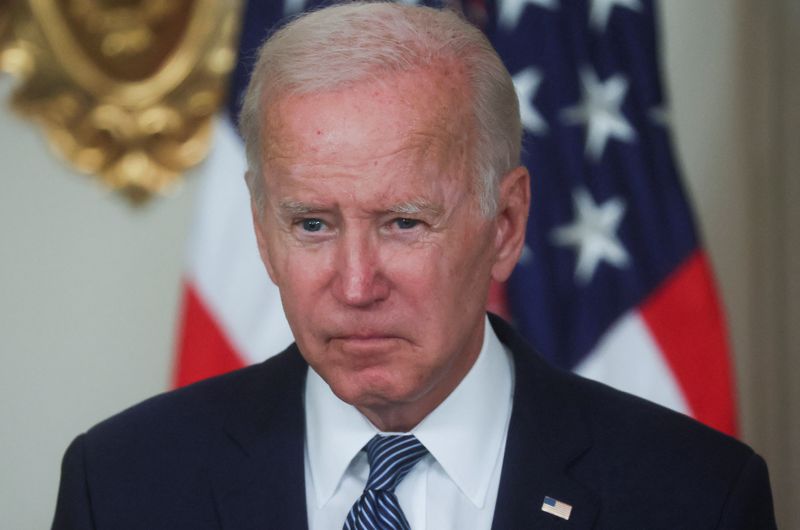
364,337
365,342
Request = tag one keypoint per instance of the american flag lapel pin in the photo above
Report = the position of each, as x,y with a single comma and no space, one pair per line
557,508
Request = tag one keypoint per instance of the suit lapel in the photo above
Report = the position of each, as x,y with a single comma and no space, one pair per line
546,436
258,473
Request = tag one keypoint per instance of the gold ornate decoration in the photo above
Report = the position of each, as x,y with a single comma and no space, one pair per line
125,89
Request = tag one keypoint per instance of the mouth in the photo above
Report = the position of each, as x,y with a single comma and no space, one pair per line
365,343
365,338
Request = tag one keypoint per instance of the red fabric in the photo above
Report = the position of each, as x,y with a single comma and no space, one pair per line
687,323
203,348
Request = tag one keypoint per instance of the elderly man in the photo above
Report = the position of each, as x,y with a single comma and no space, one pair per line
383,144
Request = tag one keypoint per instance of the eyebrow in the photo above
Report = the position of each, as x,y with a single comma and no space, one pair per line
416,207
412,207
298,208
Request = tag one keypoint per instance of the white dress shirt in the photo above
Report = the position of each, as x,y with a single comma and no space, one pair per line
453,487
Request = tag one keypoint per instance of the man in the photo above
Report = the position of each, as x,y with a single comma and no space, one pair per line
383,144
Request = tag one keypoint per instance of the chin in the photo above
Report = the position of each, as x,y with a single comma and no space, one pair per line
370,393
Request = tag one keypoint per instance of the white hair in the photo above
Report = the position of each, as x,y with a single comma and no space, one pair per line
360,41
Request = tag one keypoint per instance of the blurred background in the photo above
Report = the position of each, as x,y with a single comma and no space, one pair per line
90,285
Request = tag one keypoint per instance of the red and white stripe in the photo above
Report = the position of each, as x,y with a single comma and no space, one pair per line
672,349
232,314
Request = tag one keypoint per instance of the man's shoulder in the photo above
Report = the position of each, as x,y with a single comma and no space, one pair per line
165,459
645,459
626,429
631,453
637,425
197,410
613,417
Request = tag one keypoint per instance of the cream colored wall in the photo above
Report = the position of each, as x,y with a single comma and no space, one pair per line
89,285
769,75
702,74
734,79
88,296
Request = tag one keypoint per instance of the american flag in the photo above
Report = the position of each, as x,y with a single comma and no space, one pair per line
556,507
613,282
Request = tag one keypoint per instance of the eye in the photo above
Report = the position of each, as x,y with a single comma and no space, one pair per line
312,225
404,223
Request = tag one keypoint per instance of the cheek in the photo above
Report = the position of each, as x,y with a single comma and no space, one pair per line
428,290
416,269
301,277
308,279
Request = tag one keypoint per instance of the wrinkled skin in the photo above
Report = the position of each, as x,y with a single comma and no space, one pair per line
371,230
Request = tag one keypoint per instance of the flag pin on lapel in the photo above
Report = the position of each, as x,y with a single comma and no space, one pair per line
557,508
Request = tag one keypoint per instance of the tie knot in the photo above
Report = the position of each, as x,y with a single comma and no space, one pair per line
391,458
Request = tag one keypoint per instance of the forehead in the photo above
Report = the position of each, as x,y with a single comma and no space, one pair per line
420,116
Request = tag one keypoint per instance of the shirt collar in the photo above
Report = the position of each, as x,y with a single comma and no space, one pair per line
465,434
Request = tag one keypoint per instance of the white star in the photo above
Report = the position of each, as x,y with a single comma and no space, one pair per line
527,83
601,11
600,111
593,234
511,10
291,7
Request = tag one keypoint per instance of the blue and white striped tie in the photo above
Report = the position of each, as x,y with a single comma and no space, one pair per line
390,460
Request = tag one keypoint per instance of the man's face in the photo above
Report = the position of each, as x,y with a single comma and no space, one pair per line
372,232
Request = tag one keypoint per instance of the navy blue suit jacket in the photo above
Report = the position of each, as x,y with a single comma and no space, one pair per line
227,453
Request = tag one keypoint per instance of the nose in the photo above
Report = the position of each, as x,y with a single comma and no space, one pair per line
360,281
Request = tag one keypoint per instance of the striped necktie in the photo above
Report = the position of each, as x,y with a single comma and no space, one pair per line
390,460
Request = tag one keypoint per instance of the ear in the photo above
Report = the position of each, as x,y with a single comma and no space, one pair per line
514,201
261,239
